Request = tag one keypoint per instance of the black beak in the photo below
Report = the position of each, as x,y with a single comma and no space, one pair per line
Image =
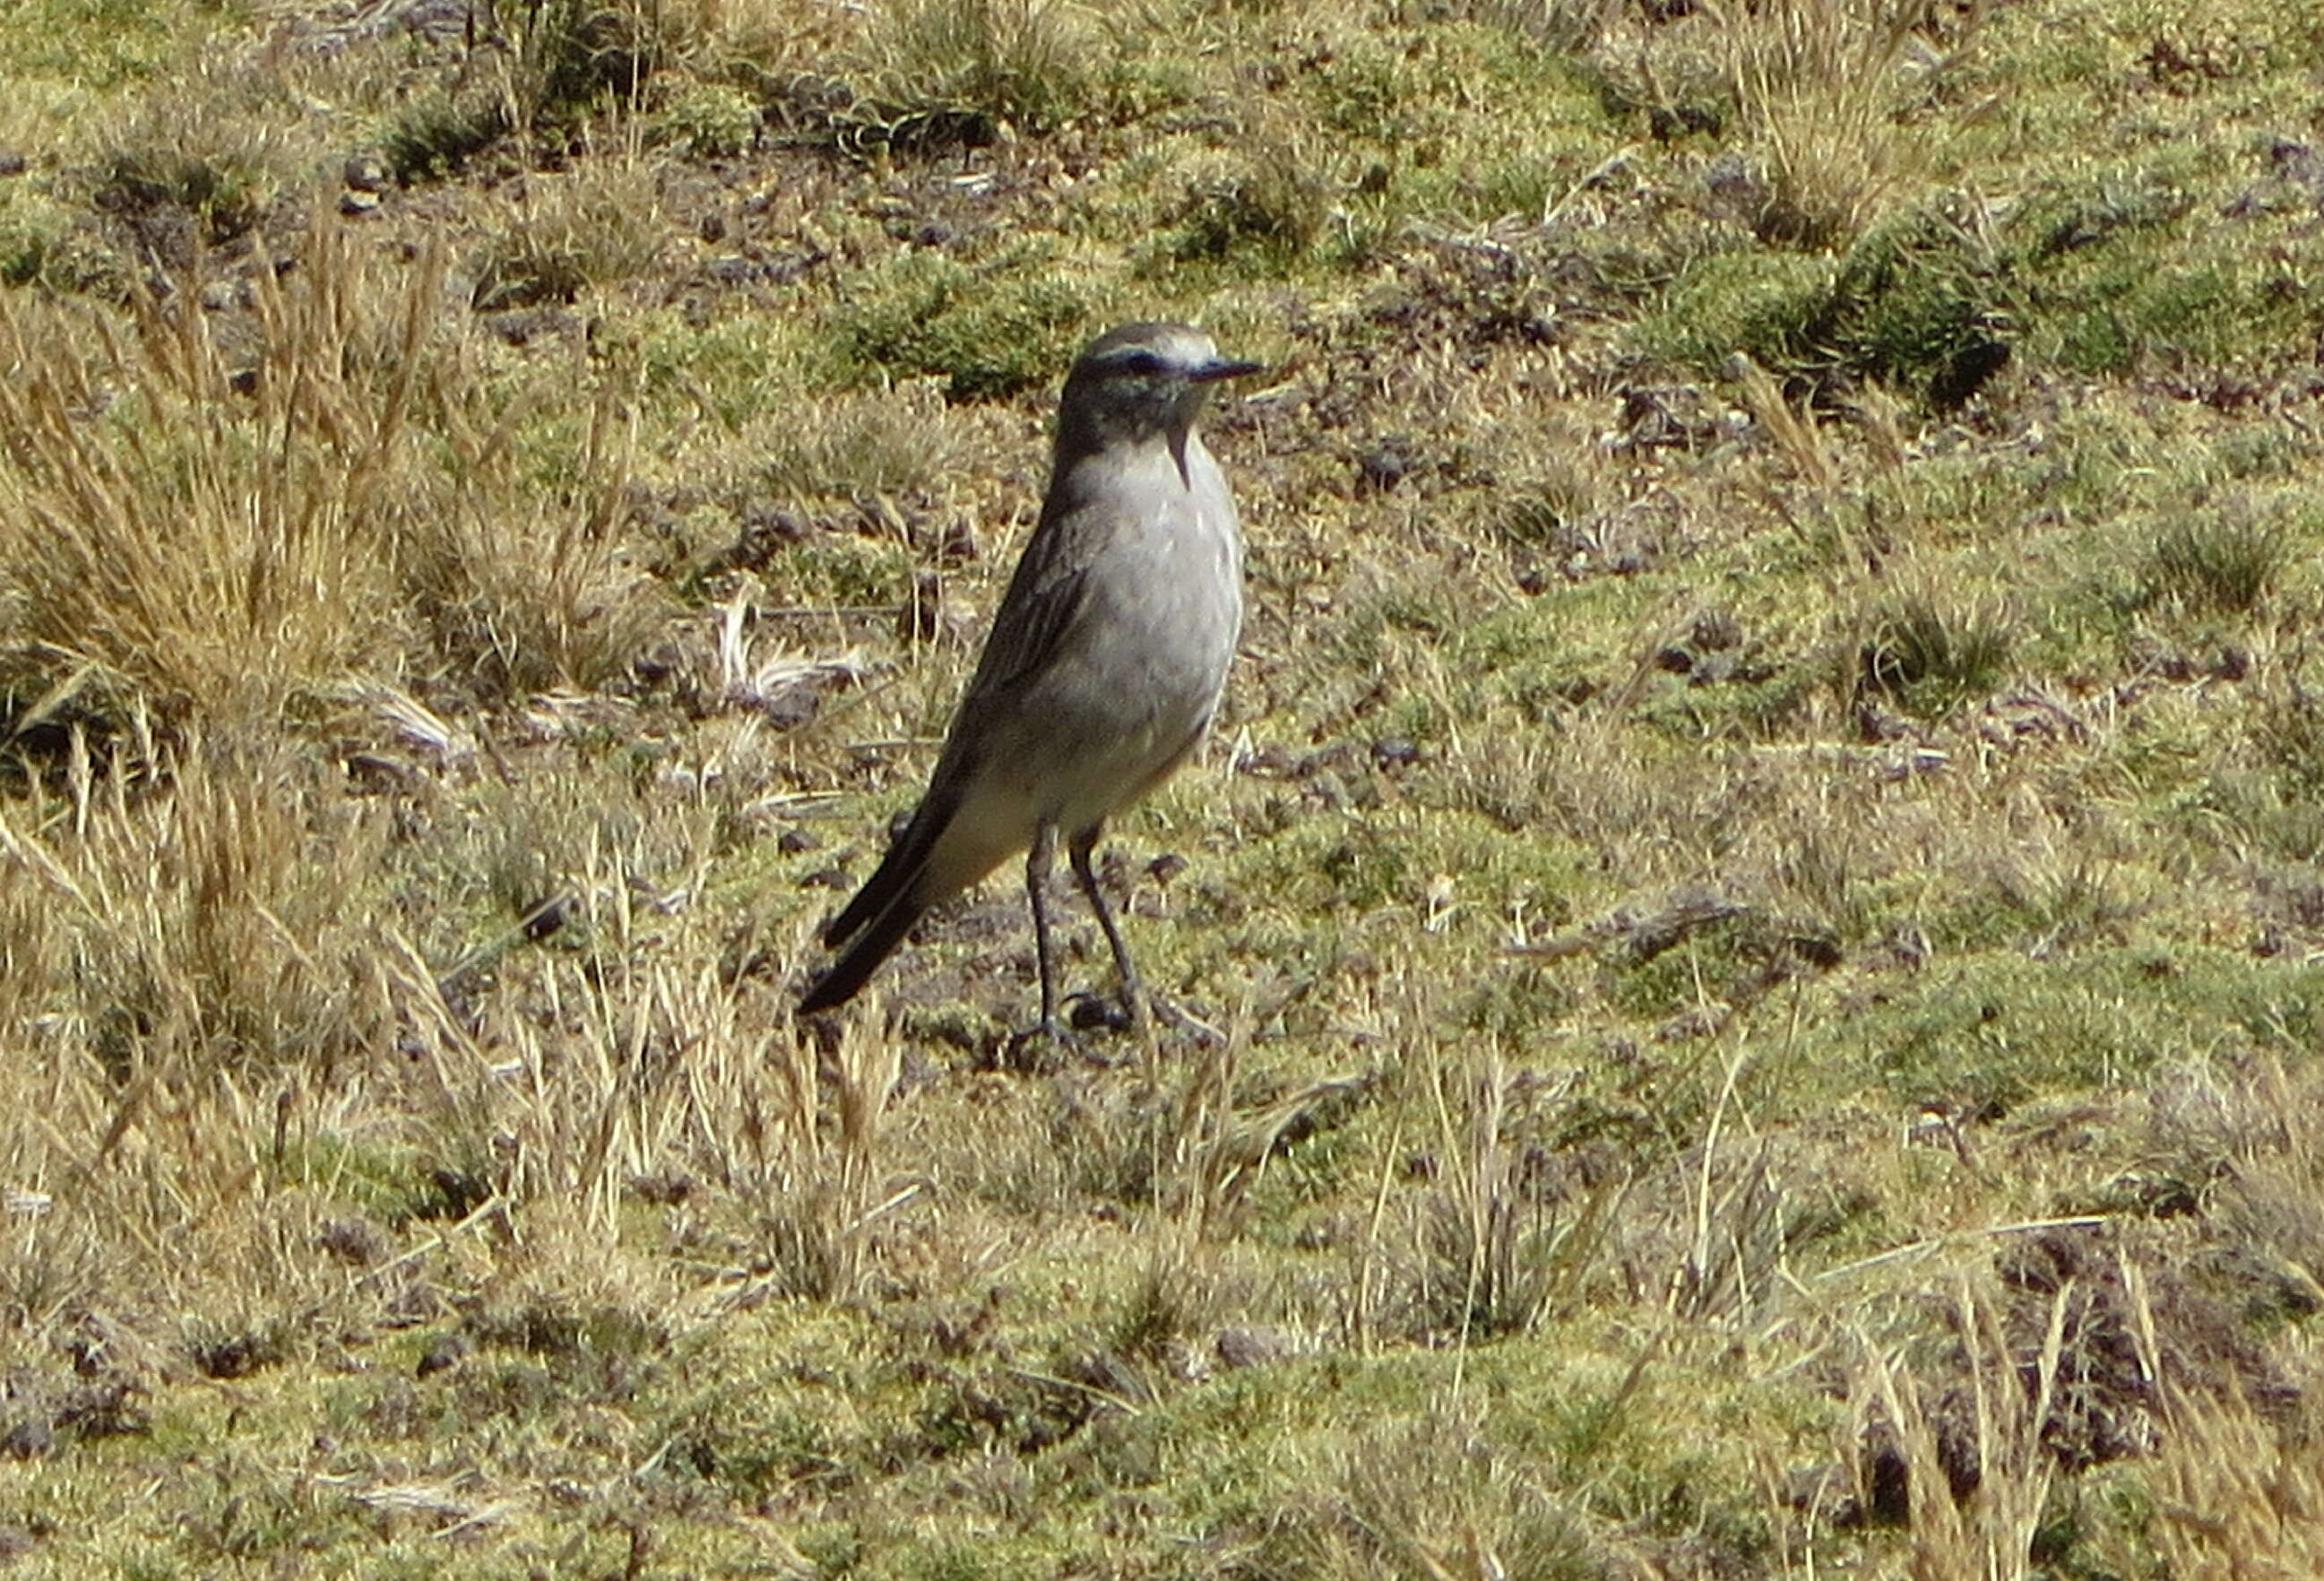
1211,372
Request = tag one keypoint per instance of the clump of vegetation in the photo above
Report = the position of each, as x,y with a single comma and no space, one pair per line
1919,305
572,53
2219,559
989,329
942,72
1271,202
594,230
710,120
224,198
46,243
895,443
1823,85
1913,304
435,136
1570,25
1938,648
570,60
215,152
1762,304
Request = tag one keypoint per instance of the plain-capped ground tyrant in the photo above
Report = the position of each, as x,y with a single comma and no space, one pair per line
1104,666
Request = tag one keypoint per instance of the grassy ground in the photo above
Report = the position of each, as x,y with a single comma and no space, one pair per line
1762,869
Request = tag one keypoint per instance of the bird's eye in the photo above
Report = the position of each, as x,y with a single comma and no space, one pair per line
1142,365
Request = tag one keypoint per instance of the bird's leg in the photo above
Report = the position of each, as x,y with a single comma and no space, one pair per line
1036,892
1133,994
1143,1009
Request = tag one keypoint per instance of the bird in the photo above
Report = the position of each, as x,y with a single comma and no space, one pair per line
1102,669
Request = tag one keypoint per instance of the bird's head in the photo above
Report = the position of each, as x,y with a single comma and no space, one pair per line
1141,382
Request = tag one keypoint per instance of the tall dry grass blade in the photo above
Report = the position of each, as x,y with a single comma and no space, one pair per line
1987,1531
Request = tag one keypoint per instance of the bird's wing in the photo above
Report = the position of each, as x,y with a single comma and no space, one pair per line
1045,596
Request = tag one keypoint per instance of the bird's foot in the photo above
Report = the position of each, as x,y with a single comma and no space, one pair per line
1042,1049
1105,1012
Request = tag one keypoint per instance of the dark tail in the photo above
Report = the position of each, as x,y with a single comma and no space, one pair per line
873,923
874,943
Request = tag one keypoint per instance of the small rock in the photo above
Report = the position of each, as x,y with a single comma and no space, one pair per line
1821,950
796,842
1736,185
666,1189
791,266
443,1352
416,1303
13,161
548,918
1382,469
355,1240
365,173
791,707
1248,1347
734,271
28,1437
354,204
1716,631
1395,752
522,326
2288,158
1669,123
1096,1013
238,1357
459,1192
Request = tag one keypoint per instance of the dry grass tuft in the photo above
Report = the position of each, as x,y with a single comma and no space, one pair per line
2227,561
1938,647
1558,24
950,71
1977,1474
201,982
245,530
216,524
1496,1250
529,589
895,443
591,230
1825,85
2237,1495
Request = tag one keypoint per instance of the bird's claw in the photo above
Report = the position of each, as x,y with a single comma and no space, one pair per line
1041,1048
